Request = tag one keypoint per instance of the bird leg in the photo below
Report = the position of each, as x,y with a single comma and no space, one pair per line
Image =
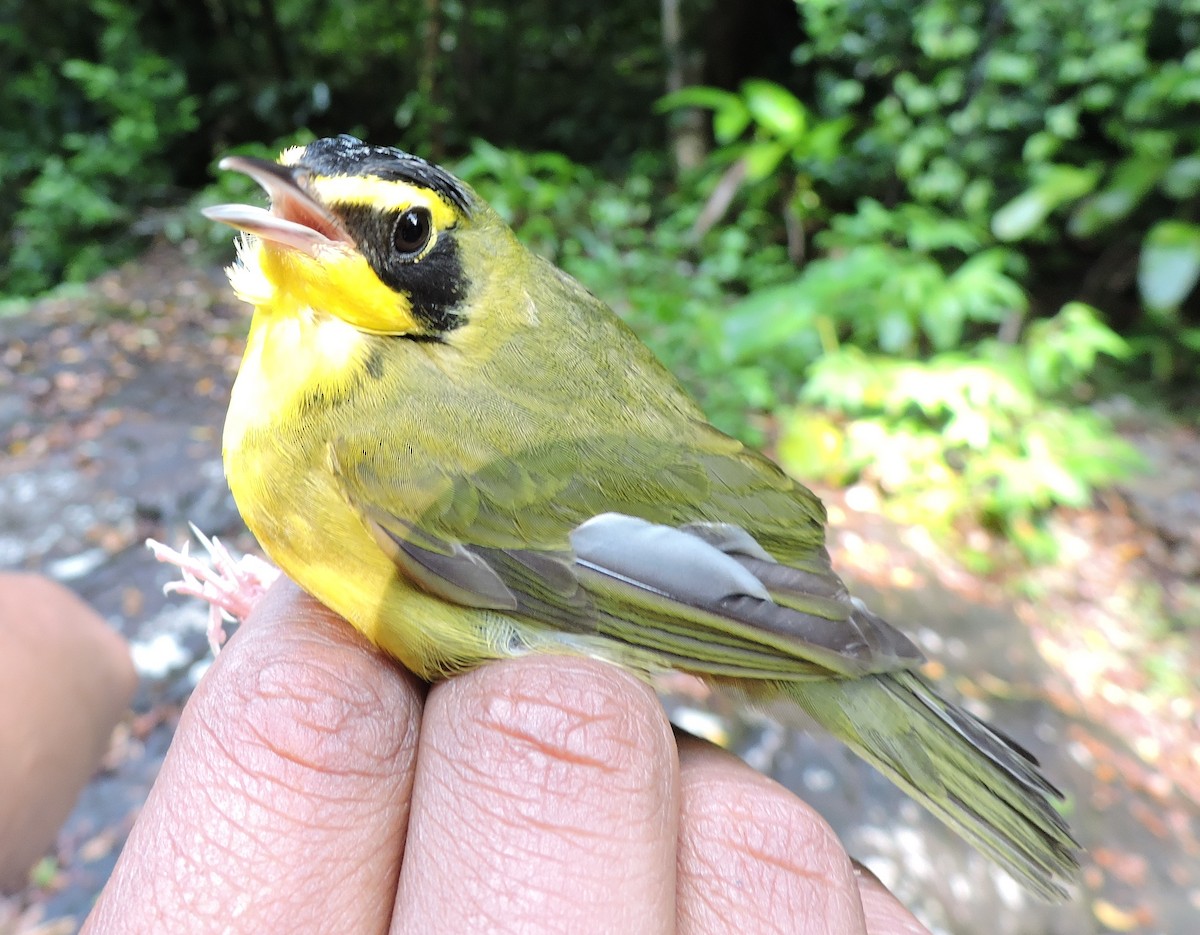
231,587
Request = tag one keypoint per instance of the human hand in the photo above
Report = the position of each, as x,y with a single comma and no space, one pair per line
315,786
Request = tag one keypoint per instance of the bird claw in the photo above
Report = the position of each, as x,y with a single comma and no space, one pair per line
231,587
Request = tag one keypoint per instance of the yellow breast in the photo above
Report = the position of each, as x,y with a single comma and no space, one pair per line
278,461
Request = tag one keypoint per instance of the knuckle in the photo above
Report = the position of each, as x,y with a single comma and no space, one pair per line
566,737
283,715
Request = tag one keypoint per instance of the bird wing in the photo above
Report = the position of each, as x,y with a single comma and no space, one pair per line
708,557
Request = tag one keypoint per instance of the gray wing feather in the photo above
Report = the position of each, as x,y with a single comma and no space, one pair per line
447,569
663,558
664,588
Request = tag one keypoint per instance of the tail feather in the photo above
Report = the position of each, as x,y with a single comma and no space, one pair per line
971,776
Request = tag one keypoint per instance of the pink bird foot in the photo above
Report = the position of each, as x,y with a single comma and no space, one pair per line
231,587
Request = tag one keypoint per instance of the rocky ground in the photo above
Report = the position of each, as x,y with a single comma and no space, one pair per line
110,409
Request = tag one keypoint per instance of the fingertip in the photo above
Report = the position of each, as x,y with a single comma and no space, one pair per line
286,788
301,687
569,763
579,712
885,914
753,855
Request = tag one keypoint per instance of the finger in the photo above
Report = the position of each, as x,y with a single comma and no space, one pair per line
545,801
885,915
755,858
282,803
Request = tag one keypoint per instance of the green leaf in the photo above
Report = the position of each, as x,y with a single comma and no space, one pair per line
1021,216
811,445
1170,264
1182,179
1130,183
895,332
699,96
824,139
1055,186
1041,147
768,319
762,159
1010,68
776,109
730,121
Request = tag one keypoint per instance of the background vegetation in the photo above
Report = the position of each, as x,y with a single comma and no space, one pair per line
911,242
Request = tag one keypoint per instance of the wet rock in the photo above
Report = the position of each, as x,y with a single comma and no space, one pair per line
66,678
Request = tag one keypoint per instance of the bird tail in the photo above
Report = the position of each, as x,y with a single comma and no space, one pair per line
971,776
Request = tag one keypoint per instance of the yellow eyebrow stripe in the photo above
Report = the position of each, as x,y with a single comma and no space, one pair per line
383,195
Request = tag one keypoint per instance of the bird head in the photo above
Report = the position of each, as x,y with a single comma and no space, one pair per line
369,234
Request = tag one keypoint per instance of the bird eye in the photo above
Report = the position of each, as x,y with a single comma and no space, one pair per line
412,231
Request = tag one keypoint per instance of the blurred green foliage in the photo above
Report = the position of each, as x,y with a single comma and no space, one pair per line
82,147
924,237
1064,129
111,108
986,202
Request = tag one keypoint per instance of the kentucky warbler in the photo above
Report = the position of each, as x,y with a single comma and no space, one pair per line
455,446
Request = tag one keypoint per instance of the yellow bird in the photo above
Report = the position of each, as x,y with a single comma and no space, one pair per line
455,446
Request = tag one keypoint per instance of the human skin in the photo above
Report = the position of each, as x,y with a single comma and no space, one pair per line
315,786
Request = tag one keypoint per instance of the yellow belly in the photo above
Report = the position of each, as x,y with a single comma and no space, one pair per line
279,467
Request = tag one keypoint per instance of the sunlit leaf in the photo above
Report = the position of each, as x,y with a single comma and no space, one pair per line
1182,179
775,108
1021,215
895,332
812,445
767,319
730,121
699,96
1130,183
762,159
1169,265
1055,186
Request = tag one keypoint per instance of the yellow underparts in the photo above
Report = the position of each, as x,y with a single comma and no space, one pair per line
336,280
278,459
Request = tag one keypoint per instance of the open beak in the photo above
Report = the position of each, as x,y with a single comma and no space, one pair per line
295,220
